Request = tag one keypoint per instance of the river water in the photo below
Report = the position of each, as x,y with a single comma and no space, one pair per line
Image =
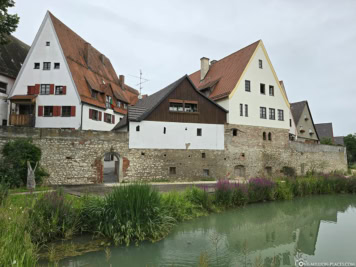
310,230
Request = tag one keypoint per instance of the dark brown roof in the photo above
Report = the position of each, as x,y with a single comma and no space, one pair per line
339,140
12,56
325,130
146,105
225,73
95,75
23,97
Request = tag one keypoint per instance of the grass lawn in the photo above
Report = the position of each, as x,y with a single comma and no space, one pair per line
24,189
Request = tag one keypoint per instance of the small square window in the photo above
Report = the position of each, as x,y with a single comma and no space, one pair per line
262,89
59,90
272,114
206,172
46,65
199,132
260,63
37,66
263,112
172,170
234,132
280,115
247,86
66,111
203,155
271,90
45,89
48,111
57,66
137,128
48,43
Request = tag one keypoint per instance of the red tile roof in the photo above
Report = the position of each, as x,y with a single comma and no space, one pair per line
96,75
224,74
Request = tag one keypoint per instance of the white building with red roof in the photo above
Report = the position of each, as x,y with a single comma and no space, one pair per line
66,83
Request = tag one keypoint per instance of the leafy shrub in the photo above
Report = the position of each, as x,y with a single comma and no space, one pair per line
179,207
223,193
199,197
51,217
239,195
16,248
283,191
14,166
4,191
289,171
128,214
260,189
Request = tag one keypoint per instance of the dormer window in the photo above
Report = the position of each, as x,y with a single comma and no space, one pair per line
108,101
118,103
125,106
94,94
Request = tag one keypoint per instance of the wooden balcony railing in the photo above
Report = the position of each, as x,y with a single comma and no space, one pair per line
22,120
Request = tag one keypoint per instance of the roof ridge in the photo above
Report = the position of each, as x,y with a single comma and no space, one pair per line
238,50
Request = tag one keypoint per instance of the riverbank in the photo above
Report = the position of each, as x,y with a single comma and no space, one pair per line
134,213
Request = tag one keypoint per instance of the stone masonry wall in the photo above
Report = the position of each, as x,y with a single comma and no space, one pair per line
76,157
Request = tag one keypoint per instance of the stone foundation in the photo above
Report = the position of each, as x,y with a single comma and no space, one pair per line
76,157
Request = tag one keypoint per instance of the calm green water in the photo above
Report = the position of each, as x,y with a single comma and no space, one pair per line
315,229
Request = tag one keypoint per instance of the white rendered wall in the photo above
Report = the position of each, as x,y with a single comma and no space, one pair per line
3,97
255,99
178,135
40,53
89,124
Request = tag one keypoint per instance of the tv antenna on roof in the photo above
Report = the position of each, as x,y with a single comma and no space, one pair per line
142,81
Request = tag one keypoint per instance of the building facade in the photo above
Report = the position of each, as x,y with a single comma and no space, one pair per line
12,56
67,83
176,117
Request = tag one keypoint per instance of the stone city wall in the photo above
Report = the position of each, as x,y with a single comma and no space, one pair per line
76,157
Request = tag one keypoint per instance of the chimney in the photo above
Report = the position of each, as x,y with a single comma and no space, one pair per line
102,59
87,47
122,81
204,67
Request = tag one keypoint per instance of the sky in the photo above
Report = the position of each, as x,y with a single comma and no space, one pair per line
311,43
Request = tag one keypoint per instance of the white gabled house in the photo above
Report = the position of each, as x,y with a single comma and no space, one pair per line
176,117
66,83
245,83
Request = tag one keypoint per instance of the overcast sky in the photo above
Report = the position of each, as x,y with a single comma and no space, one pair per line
311,43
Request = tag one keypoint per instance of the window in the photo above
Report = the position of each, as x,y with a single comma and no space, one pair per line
59,90
241,109
280,115
164,130
137,128
269,136
108,101
94,94
107,118
4,122
172,170
262,89
246,110
269,171
3,87
247,86
46,65
37,66
95,115
272,114
260,63
118,103
190,107
264,136
66,111
263,113
271,90
57,66
290,122
203,155
48,111
175,106
206,172
234,132
45,89
48,43
125,106
199,132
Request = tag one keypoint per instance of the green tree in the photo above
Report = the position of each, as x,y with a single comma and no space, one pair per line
326,141
8,22
350,143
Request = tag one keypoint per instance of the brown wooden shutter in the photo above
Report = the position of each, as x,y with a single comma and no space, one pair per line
56,111
51,89
100,113
37,89
64,90
29,90
90,113
72,111
40,111
113,119
105,116
59,111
